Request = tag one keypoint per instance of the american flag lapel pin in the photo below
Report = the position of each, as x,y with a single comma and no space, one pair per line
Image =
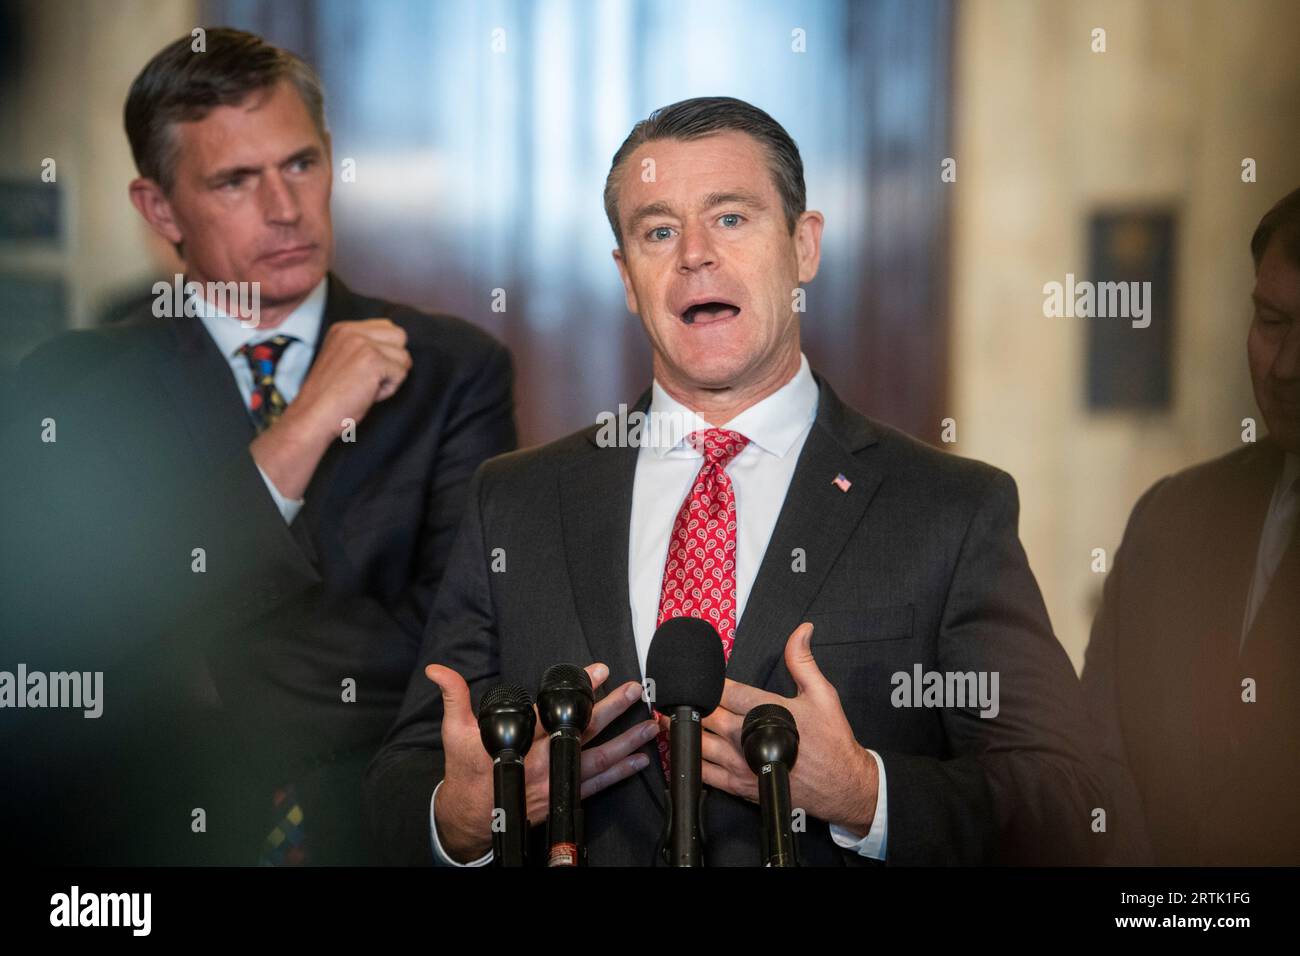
842,483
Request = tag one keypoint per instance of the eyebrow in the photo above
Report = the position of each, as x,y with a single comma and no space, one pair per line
648,211
307,152
712,200
738,198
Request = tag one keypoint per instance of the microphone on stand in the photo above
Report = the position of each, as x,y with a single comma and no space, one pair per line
687,669
770,741
506,720
564,703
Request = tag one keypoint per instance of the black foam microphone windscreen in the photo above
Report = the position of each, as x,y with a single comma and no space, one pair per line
686,666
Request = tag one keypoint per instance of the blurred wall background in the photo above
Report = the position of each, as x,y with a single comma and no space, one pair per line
479,169
1046,131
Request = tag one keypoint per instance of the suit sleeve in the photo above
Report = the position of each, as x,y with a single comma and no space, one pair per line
462,635
1126,840
481,426
1017,787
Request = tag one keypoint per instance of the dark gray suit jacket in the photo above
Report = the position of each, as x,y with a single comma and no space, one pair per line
919,562
1198,775
224,685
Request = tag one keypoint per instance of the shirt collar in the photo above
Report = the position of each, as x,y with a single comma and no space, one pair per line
773,424
303,323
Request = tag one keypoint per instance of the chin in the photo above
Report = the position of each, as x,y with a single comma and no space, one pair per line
712,371
280,285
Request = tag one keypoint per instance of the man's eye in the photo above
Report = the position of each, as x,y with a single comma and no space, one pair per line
233,182
303,164
731,220
660,233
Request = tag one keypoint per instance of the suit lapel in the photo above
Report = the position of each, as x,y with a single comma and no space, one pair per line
340,305
1277,616
201,387
1236,513
1237,541
817,517
596,515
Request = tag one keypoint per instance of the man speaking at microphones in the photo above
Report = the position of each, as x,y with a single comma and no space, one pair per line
874,587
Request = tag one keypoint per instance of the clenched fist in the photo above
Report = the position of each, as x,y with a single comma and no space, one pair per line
358,364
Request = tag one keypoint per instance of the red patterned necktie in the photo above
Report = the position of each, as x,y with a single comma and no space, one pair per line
265,404
700,574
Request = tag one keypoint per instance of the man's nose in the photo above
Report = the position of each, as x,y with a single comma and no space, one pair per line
279,201
695,251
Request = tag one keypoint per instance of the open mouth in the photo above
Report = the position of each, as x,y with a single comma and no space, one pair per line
706,312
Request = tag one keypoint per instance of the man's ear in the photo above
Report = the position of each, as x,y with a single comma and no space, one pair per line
627,282
152,203
808,243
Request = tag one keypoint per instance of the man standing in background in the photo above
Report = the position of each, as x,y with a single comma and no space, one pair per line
1193,670
237,509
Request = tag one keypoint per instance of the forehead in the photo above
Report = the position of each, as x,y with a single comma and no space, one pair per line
687,170
1278,279
264,123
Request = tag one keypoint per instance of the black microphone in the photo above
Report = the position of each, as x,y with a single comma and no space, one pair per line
564,703
506,720
686,670
770,741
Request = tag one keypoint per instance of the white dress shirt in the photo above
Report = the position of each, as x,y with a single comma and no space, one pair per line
230,336
1278,527
760,476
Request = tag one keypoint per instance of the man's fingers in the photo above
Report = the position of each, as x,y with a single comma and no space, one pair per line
627,767
394,355
741,698
377,330
598,673
393,366
609,708
455,693
800,663
720,778
721,751
599,760
724,722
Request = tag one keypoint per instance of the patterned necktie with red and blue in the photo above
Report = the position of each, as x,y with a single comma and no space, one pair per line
266,404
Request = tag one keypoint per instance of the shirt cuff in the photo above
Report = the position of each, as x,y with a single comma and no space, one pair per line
872,845
289,507
439,854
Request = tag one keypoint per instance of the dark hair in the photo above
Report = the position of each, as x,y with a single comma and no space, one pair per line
1283,220
182,85
704,116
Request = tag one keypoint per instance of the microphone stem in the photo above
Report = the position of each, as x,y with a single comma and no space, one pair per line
774,805
509,829
564,824
685,787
